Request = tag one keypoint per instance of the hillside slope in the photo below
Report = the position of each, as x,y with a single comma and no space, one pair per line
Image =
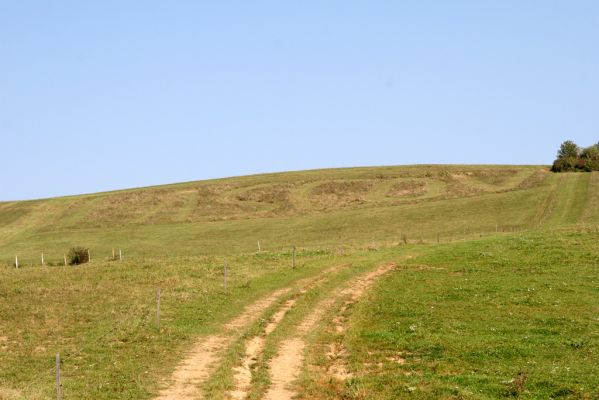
311,208
516,259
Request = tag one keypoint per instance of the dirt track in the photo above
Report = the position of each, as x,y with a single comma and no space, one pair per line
205,353
204,356
285,367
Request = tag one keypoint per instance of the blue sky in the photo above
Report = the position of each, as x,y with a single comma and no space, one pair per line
104,95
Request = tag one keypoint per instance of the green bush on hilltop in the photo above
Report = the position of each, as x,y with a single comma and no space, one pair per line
571,158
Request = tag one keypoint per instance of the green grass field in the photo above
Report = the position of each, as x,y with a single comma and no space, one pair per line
315,208
495,293
514,316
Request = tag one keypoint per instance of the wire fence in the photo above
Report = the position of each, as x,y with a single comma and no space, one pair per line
54,259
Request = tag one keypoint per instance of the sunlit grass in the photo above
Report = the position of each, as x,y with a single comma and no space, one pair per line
513,316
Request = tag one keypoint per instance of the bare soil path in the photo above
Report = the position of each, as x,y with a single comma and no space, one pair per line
255,346
204,356
200,361
286,365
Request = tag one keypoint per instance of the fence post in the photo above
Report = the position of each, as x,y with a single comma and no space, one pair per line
158,308
293,256
58,385
120,255
42,259
17,262
89,255
225,276
259,249
65,259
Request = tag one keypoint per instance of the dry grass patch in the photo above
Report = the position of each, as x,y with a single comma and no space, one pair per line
495,177
341,193
410,188
458,186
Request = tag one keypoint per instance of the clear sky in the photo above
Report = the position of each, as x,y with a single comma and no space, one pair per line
99,95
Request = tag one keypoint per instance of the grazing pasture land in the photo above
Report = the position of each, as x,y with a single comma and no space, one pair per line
515,316
453,282
315,208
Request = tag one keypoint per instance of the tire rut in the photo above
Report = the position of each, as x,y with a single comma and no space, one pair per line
337,352
286,365
255,346
207,352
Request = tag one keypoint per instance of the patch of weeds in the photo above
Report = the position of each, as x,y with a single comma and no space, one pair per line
246,284
577,343
516,385
354,390
563,392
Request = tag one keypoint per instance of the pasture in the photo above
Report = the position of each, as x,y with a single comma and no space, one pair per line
453,282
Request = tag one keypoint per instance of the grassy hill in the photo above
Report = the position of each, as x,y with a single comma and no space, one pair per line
493,295
314,208
502,317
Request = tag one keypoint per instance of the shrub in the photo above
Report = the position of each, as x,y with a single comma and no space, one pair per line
591,157
78,255
564,164
571,158
581,164
592,165
591,152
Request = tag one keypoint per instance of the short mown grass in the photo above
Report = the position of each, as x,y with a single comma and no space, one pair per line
504,317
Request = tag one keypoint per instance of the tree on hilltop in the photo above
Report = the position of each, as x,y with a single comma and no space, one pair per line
570,157
568,149
590,155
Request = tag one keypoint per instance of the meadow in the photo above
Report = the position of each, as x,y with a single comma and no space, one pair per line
514,316
492,291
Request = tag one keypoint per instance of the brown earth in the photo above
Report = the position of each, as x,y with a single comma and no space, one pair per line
286,365
255,346
206,352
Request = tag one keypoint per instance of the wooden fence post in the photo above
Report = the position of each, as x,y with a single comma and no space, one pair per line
158,308
17,262
42,259
65,259
58,385
120,255
225,276
113,253
259,249
293,256
89,255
